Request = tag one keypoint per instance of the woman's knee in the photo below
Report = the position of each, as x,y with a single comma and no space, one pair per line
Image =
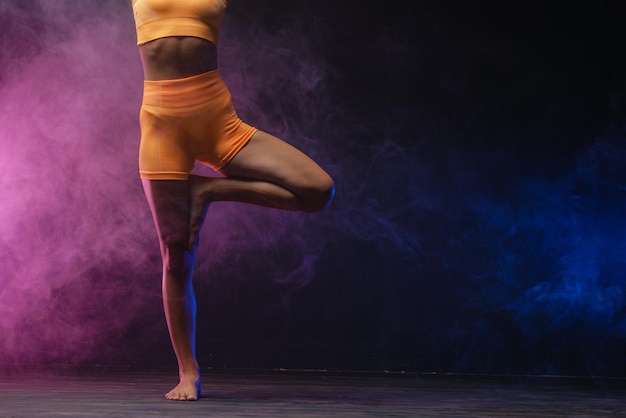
319,195
177,255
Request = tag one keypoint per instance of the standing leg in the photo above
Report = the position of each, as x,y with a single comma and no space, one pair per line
169,203
267,172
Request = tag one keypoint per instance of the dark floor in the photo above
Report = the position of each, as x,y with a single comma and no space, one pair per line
139,393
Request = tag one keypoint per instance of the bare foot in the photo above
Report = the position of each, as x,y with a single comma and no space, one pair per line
187,390
199,200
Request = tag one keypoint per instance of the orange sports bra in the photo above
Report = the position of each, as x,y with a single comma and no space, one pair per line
161,18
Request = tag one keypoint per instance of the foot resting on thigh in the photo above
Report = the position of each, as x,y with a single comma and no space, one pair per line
199,201
187,390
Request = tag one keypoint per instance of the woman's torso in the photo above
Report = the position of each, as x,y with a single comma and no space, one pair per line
177,57
178,38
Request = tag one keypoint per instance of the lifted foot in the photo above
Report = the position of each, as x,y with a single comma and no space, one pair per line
199,201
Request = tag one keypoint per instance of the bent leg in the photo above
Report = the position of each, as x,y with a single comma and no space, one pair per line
268,172
169,203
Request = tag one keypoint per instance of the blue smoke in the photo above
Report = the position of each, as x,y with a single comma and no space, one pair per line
544,262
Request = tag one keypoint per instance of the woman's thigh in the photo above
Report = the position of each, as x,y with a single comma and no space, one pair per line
169,204
268,158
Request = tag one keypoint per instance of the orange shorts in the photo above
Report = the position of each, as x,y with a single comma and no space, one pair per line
187,120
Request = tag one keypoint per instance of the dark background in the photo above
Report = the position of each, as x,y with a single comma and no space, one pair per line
478,149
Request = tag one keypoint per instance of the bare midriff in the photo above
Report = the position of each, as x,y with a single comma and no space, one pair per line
177,57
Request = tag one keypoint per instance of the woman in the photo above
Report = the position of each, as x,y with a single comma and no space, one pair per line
187,115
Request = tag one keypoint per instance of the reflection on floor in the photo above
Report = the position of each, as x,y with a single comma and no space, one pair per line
139,393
